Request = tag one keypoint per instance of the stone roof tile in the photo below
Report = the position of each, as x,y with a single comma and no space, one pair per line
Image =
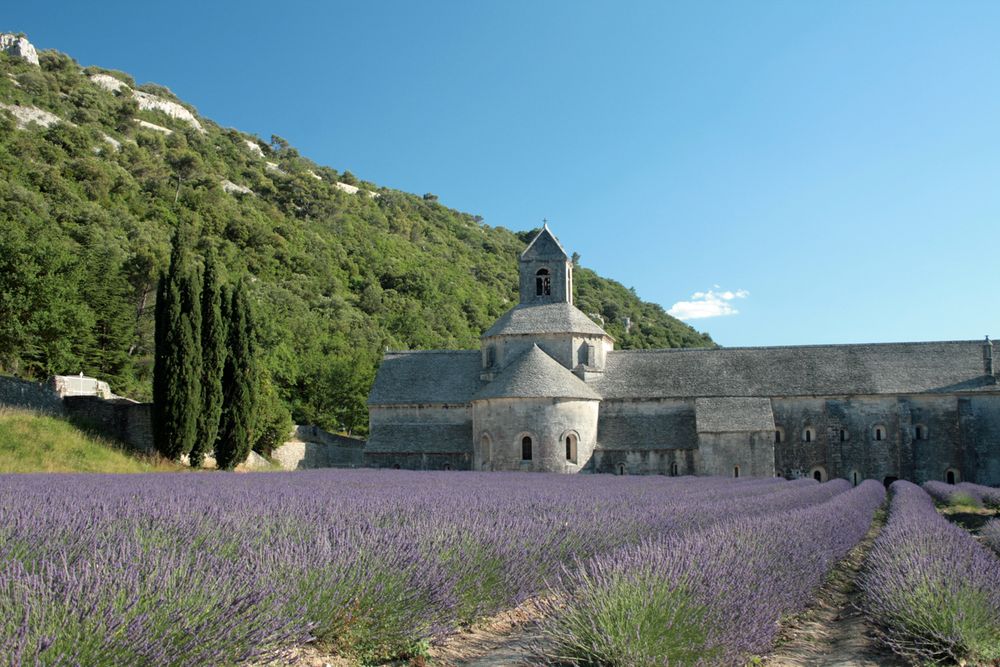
810,370
733,415
432,377
534,374
545,318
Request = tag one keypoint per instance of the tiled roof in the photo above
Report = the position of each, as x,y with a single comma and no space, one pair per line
813,370
435,377
544,319
534,374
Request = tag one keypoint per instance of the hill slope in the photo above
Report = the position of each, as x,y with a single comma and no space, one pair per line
31,442
96,173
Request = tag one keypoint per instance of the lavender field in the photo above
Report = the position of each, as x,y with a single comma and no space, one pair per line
222,569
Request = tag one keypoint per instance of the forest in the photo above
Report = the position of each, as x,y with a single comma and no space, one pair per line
335,276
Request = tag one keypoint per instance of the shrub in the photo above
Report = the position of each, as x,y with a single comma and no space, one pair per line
929,587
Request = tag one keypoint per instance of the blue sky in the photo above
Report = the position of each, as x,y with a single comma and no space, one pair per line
822,172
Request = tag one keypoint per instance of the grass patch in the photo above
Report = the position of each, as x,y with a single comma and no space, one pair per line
32,442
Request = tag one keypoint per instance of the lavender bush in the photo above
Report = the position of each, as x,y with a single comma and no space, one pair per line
954,494
991,535
213,568
706,597
931,589
987,495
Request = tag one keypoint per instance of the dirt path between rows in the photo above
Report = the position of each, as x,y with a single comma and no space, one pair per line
833,632
504,639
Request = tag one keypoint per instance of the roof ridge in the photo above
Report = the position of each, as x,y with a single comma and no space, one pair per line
672,350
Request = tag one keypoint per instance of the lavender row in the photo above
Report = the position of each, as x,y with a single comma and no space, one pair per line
964,493
931,589
162,569
710,597
991,535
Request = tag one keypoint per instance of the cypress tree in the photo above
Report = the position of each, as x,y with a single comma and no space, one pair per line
239,380
177,360
213,351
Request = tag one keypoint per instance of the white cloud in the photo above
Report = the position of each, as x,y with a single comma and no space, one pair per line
711,303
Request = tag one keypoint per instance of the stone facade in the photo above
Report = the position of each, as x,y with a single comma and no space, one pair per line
548,392
312,447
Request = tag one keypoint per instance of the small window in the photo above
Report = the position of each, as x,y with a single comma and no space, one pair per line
952,476
878,433
779,435
447,466
673,469
571,447
491,356
543,283
621,469
854,478
395,466
819,474
736,471
843,435
919,432
526,448
809,434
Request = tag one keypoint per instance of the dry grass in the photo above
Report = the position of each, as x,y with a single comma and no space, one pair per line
33,442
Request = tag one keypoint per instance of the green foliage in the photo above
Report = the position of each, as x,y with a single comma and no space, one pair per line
334,278
213,350
239,384
177,375
633,620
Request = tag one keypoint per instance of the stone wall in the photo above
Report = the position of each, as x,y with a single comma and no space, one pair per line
500,424
736,454
15,393
118,419
923,436
312,447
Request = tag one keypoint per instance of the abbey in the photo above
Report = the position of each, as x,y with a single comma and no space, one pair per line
547,391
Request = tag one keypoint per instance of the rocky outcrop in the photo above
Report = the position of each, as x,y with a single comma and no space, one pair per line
25,116
148,102
19,47
234,188
153,126
108,82
254,148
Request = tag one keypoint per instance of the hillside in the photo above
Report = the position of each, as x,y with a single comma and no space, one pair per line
31,442
96,174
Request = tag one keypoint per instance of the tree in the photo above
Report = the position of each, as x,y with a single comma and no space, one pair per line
239,383
213,350
177,362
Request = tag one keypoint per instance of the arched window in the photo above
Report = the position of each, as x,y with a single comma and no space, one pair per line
808,434
854,477
673,469
919,432
543,283
878,433
779,434
843,435
621,469
736,471
952,476
526,448
819,474
571,447
447,466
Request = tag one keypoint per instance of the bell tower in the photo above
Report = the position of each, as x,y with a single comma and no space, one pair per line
546,271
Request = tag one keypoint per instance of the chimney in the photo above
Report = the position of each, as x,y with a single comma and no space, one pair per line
988,359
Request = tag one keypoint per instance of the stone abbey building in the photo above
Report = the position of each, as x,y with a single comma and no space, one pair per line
547,391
